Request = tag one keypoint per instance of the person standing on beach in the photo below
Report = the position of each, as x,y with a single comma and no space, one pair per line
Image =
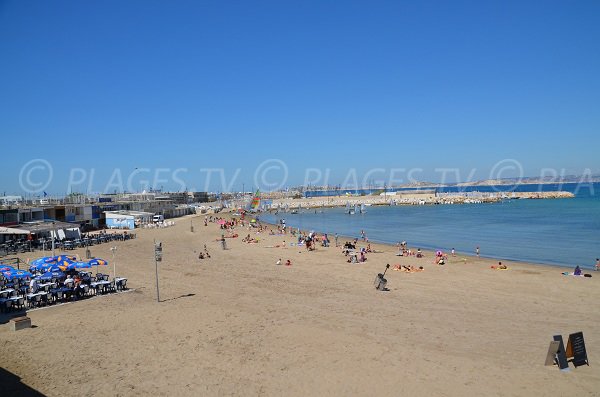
597,264
453,252
362,234
336,244
477,251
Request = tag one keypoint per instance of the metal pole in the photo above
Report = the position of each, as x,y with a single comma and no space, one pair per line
114,250
53,234
156,267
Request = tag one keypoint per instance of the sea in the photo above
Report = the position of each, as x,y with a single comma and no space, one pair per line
557,232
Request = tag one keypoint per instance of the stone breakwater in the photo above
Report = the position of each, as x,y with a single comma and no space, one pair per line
428,198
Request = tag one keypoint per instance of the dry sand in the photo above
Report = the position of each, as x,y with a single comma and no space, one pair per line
237,324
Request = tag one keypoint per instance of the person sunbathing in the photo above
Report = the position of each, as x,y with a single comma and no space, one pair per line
500,266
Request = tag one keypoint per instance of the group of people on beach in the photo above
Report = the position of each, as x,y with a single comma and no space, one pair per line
349,248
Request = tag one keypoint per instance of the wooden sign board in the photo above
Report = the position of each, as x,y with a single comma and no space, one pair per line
561,357
576,349
552,352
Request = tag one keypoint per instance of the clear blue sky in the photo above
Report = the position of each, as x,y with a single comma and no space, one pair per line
105,85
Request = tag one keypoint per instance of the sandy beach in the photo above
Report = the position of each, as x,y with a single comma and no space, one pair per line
238,324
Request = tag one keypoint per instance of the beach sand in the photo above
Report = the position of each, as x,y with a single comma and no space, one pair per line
237,324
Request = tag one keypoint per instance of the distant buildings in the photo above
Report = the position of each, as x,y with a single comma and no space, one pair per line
91,212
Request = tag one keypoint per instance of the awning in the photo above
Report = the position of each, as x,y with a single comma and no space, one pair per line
10,230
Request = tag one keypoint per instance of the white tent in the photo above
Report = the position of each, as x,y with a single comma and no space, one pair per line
10,230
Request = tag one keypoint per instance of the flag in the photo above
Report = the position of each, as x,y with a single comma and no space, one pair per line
45,194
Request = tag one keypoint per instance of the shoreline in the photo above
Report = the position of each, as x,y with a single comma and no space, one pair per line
430,253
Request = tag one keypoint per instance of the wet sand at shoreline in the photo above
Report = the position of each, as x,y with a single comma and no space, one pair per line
237,324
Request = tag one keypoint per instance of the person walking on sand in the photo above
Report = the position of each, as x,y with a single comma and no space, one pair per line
336,242
453,252
477,251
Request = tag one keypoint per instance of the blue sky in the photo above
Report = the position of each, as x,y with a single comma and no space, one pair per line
98,89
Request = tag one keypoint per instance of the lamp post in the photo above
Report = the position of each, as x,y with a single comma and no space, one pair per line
114,252
157,258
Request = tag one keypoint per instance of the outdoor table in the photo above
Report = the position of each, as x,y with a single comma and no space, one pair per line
99,285
6,292
44,285
119,282
4,300
31,296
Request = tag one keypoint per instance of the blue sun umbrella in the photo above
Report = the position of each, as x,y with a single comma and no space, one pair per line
53,267
81,265
65,257
50,275
16,274
38,261
97,262
6,268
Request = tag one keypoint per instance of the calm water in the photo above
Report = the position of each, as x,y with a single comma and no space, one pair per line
555,232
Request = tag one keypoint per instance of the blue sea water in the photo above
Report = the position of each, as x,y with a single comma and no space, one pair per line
563,232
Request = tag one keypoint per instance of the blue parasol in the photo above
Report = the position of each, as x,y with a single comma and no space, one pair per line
50,275
16,274
80,265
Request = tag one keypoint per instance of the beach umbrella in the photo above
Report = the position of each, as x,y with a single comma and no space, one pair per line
65,257
52,267
81,265
40,261
50,275
16,274
97,262
6,268
222,222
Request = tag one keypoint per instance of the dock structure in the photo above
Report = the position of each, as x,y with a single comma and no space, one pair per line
415,198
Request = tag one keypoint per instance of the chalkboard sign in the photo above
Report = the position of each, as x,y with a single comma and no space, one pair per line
563,364
576,349
552,352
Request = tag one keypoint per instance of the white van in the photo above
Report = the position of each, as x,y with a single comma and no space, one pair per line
158,218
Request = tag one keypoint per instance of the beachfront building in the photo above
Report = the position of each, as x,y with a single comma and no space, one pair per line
10,200
127,219
9,217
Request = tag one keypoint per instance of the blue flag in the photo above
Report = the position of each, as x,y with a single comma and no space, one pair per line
45,194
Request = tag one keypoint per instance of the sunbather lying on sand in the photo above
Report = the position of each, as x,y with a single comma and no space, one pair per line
408,269
500,266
